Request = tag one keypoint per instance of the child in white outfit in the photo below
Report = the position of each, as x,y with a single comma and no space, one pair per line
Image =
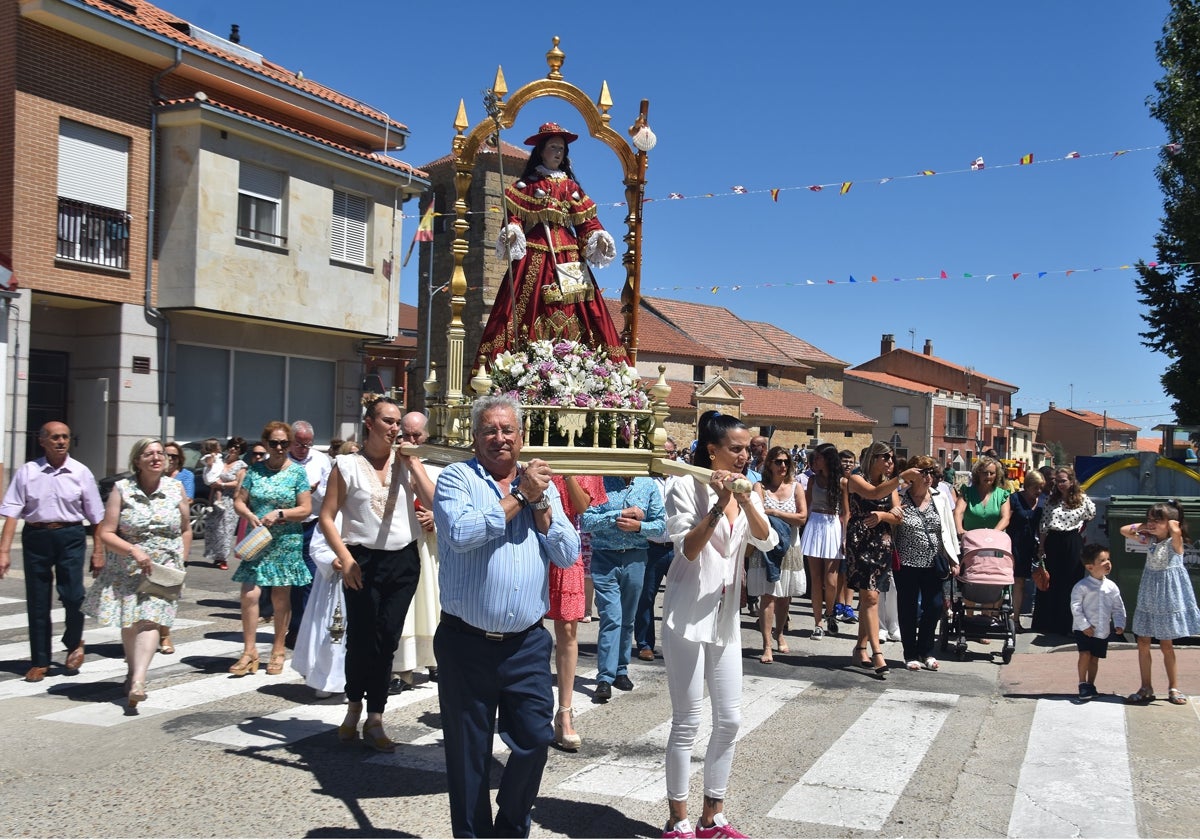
1096,606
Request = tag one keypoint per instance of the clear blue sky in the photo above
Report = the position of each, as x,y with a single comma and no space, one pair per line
788,94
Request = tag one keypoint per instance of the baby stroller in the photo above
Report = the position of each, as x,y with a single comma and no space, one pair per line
985,577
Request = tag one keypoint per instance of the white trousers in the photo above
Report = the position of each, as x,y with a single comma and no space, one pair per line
690,666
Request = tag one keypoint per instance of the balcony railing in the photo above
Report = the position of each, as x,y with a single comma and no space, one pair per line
88,233
955,431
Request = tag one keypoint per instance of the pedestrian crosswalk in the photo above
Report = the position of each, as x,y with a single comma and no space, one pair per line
855,783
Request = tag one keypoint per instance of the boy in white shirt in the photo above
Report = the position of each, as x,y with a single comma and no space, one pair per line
1096,606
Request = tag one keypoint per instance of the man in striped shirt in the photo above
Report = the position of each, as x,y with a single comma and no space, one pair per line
499,526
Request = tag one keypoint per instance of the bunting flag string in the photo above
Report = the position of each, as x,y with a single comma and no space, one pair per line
843,186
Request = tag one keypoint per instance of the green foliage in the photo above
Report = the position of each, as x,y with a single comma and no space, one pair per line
1058,455
1171,294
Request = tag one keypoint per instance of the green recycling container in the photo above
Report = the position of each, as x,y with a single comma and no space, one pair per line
1129,559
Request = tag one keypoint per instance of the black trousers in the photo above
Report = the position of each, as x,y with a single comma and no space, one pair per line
53,557
375,619
918,608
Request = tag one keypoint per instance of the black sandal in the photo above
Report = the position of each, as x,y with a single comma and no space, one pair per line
883,670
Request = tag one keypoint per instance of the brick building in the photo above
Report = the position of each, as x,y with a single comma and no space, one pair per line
1081,432
203,238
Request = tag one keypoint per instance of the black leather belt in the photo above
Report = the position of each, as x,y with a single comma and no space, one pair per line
462,626
53,526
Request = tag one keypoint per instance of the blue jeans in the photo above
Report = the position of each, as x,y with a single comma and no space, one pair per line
658,560
617,578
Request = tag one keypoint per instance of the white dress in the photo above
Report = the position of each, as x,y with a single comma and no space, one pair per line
317,657
791,573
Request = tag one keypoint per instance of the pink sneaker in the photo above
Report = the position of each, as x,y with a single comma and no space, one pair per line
719,828
683,828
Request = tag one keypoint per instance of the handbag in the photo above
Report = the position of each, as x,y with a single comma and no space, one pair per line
1041,577
574,278
164,582
253,544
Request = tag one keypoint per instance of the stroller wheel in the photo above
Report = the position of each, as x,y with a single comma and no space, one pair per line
960,650
1006,655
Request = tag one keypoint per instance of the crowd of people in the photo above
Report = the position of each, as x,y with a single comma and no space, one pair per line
455,570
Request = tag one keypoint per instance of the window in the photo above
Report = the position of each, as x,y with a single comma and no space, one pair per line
260,204
348,234
956,422
93,196
697,373
899,415
764,379
220,393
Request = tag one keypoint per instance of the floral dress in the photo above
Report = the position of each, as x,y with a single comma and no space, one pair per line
1166,603
868,549
282,562
154,524
220,524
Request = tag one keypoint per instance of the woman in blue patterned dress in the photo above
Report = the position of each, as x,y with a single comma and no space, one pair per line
275,493
145,522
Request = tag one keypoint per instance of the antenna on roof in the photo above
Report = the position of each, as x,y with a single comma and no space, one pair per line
912,338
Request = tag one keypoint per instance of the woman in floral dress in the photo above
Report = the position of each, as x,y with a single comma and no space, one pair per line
145,522
274,493
220,525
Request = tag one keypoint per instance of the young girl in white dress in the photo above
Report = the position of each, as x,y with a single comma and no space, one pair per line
824,532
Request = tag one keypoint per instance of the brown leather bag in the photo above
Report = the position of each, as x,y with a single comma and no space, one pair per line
1041,578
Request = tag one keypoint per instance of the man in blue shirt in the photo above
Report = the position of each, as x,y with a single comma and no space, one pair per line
620,528
499,526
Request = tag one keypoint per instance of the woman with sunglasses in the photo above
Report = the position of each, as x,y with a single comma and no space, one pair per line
274,493
926,527
220,525
775,586
871,500
1060,545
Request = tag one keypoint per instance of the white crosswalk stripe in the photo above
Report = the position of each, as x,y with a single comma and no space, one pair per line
92,636
1075,780
896,732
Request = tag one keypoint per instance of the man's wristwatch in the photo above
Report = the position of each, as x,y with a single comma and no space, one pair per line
540,504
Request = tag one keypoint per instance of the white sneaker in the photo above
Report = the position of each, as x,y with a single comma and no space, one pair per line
894,635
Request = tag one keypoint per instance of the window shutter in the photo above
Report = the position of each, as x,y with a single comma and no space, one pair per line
257,181
348,231
93,165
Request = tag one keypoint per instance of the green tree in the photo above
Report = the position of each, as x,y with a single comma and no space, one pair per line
1170,288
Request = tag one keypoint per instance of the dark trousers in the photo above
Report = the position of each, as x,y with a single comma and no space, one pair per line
300,593
477,678
1052,609
918,608
658,560
53,557
375,619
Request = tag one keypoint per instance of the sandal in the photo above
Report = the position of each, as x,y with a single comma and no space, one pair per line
931,664
860,661
913,665
1177,697
782,642
374,738
1141,697
882,670
347,731
766,658
165,646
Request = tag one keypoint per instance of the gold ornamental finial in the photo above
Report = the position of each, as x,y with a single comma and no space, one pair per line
605,102
460,120
499,87
555,57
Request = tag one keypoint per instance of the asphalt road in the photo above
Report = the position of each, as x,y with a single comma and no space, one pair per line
978,749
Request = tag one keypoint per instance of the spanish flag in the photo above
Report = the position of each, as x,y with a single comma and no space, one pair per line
424,233
1026,159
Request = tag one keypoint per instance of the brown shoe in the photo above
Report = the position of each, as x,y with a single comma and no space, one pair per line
75,658
36,674
646,655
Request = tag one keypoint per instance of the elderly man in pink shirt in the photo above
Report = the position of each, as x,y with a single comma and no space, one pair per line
54,495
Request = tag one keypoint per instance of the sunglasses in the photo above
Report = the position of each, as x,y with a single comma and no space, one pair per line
278,444
783,461
174,457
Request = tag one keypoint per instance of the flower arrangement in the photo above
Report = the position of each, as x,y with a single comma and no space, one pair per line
567,374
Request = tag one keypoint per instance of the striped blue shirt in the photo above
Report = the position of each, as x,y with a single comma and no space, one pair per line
601,520
494,574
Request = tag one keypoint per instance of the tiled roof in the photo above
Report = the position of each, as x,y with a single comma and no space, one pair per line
681,392
510,151
385,160
717,327
162,22
795,347
407,319
658,337
889,380
939,361
1093,419
783,404
1149,444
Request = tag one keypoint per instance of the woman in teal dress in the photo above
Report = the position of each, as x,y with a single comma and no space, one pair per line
274,493
145,522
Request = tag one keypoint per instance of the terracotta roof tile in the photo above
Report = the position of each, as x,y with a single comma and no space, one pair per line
793,346
887,379
407,319
658,337
375,157
1093,419
162,22
510,151
783,404
717,327
943,363
681,392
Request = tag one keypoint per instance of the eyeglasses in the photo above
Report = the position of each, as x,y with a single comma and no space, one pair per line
174,457
928,473
671,453
278,444
783,461
300,445
494,431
